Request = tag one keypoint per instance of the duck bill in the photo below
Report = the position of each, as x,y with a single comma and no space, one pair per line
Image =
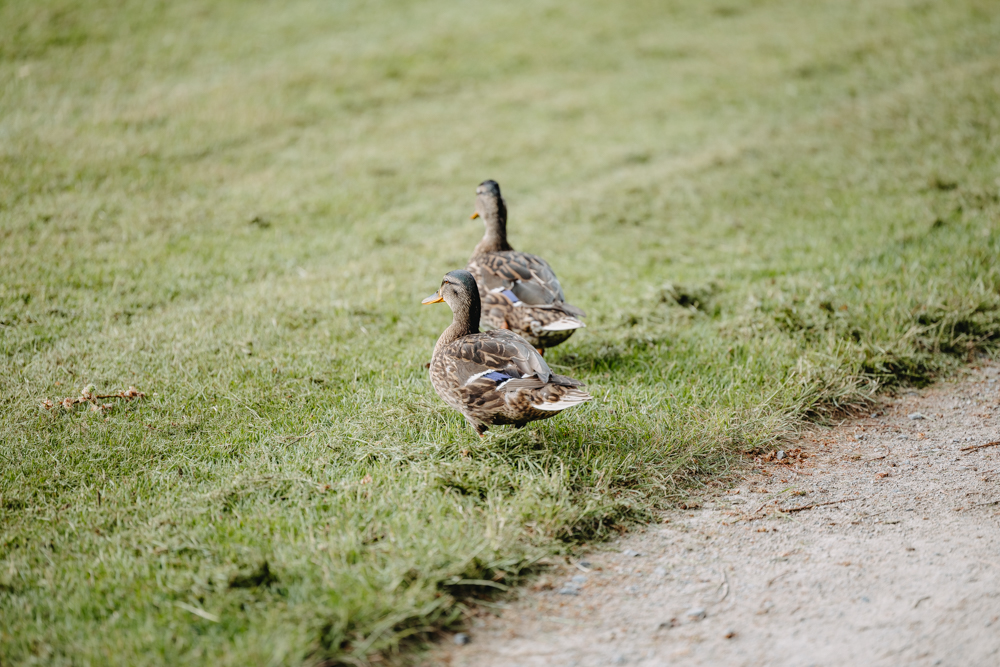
474,215
433,298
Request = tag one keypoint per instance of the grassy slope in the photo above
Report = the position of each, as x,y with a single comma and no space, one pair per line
816,182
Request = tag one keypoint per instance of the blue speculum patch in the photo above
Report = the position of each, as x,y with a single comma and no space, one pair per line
510,295
497,376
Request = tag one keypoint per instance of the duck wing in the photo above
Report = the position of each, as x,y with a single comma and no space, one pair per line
498,356
521,277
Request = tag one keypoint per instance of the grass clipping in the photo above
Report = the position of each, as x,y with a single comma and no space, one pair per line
89,396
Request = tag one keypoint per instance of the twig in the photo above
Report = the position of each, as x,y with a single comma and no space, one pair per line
988,444
201,613
289,439
725,582
783,574
809,507
888,450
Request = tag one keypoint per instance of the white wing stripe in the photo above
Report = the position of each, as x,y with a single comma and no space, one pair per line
475,377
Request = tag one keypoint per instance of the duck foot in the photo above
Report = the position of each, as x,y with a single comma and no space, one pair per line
541,351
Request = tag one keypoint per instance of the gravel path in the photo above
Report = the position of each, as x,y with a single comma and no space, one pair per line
902,566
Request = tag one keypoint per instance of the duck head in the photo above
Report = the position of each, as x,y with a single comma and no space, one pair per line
460,291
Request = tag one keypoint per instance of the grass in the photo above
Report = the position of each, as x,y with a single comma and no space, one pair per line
771,210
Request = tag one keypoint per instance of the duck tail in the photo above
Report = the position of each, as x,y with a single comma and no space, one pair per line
556,397
563,324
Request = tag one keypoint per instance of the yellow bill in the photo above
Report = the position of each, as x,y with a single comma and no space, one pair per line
474,215
433,298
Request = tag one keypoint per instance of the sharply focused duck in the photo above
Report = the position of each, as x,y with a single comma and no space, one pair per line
519,291
493,377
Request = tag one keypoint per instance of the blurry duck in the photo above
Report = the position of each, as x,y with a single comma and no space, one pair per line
519,291
493,377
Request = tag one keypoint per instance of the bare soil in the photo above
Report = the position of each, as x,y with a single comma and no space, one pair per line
880,547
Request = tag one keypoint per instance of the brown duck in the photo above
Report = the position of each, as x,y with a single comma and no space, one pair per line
492,377
519,291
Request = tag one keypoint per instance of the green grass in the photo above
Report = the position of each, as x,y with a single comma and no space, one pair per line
769,209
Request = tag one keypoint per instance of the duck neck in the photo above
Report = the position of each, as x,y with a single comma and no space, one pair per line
495,238
464,323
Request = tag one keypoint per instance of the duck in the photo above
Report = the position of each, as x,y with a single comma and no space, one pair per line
519,291
492,377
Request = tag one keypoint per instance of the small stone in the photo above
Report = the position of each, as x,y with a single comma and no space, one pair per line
620,660
579,579
586,564
696,614
902,436
780,455
730,634
915,415
660,572
630,553
461,639
569,590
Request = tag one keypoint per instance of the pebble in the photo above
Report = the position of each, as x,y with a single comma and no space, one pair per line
630,553
696,614
461,639
915,415
586,564
569,590
660,572
781,454
579,579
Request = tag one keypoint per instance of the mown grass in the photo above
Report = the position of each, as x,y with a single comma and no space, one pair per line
770,210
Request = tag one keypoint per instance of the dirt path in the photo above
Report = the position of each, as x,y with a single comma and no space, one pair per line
901,567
